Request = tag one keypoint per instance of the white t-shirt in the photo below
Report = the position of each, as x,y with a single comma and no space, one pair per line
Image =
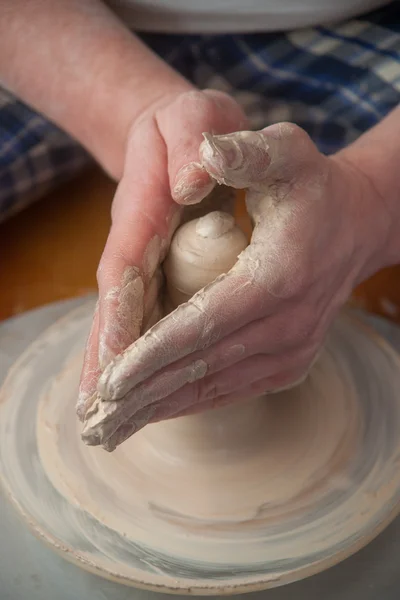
235,16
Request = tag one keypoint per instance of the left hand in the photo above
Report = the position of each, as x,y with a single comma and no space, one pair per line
318,231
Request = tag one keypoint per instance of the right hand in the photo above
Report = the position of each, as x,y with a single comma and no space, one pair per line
161,172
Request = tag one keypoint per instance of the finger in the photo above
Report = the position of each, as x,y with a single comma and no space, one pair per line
105,418
91,370
264,386
177,390
250,370
229,380
197,112
143,222
193,326
288,332
256,159
175,407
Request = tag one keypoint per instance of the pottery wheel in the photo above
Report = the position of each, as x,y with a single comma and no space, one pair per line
249,496
310,516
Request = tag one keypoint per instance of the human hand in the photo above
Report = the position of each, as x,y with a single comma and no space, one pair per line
162,155
317,232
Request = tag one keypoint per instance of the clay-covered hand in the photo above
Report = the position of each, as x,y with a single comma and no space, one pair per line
318,231
319,228
162,155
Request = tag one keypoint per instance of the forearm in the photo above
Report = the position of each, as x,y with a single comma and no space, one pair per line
76,63
376,155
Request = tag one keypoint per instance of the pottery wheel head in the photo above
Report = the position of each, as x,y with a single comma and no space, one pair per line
314,477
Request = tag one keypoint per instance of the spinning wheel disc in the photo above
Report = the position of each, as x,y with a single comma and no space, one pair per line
238,523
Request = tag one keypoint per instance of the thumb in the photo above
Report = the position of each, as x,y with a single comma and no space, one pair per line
256,159
182,125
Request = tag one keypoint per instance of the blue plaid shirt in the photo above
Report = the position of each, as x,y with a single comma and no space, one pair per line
336,82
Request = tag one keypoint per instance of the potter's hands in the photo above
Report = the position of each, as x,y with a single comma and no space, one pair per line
162,154
318,231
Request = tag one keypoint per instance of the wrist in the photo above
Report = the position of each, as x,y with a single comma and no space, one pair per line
375,156
367,211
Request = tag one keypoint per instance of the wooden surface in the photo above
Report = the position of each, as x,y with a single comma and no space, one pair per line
51,250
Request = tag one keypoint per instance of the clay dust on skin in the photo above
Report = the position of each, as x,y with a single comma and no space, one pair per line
124,308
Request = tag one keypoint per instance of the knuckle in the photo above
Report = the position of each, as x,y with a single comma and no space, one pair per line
221,99
296,146
229,108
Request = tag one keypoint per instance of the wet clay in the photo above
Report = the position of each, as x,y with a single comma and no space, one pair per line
201,250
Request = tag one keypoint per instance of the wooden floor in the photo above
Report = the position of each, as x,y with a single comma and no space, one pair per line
51,250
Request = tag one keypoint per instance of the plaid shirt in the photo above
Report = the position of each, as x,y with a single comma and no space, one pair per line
336,82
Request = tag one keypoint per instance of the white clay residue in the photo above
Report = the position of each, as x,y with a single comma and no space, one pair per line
201,251
125,307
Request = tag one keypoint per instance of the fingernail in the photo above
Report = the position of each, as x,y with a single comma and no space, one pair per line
192,184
